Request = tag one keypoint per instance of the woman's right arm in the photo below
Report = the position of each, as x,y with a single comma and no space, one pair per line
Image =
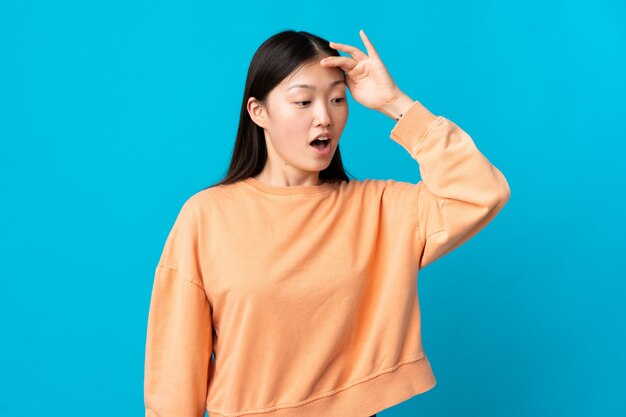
179,340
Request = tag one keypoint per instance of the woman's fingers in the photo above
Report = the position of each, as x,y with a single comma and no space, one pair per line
368,45
355,52
344,62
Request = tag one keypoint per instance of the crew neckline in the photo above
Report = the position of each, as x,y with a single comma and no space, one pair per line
288,190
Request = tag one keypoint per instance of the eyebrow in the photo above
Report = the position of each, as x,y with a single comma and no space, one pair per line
312,87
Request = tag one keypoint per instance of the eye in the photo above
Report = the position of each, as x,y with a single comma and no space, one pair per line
339,100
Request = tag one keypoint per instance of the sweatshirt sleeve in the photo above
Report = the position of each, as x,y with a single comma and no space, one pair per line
179,340
460,191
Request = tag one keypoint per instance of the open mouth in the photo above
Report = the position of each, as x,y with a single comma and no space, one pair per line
320,144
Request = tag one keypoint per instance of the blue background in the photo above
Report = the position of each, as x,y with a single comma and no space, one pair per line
113,113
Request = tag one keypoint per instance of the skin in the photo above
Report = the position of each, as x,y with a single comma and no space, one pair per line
291,118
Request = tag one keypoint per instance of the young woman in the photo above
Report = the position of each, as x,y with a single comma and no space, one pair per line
289,290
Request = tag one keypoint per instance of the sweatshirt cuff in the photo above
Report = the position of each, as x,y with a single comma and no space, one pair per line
412,126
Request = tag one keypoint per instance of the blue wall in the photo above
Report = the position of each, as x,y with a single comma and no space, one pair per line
113,113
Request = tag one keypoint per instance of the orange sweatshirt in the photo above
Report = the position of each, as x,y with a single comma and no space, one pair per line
307,295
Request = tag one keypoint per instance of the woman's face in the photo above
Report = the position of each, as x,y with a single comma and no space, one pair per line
293,115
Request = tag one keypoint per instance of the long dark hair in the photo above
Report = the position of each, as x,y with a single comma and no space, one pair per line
274,60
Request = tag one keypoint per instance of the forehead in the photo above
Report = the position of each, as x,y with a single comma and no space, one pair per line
312,78
312,87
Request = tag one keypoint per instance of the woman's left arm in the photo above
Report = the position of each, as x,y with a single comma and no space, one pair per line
461,191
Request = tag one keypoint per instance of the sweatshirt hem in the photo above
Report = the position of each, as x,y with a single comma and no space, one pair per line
364,397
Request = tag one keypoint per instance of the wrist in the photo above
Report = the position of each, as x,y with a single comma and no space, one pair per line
396,108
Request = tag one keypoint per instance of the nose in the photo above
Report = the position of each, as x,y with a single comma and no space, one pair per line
322,115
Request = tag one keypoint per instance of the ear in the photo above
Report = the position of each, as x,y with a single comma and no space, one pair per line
257,112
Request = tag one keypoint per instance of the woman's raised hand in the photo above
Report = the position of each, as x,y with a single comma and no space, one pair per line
366,76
